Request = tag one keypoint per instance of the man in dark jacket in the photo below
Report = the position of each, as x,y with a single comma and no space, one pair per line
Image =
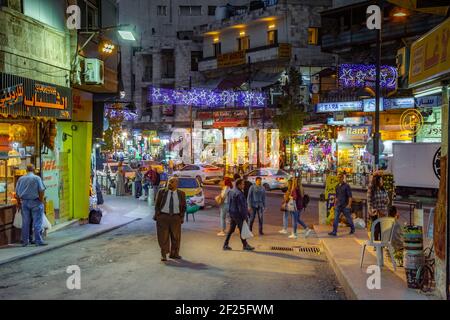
170,208
247,186
238,213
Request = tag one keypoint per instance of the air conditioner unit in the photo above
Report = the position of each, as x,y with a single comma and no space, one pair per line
94,71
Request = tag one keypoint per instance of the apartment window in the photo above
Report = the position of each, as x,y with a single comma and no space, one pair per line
190,10
89,15
272,37
243,43
162,11
211,10
195,57
313,36
217,49
168,63
147,60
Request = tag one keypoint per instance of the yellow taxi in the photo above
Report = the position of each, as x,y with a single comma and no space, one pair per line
193,190
155,165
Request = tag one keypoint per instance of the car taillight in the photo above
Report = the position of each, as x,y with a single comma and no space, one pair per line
280,179
211,170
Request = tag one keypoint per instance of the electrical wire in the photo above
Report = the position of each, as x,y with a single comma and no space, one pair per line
36,70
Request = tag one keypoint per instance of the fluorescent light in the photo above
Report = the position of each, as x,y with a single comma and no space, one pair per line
126,35
428,92
272,26
242,33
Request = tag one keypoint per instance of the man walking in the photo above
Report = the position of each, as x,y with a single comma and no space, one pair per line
170,208
342,204
256,203
238,214
30,196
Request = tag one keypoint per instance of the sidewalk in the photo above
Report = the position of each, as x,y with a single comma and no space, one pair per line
344,252
117,212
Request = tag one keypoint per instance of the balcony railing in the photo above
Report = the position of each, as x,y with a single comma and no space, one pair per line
279,51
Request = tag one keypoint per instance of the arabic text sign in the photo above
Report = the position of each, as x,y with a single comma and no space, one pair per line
430,55
11,96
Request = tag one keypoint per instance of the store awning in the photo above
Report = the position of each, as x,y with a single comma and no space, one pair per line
263,79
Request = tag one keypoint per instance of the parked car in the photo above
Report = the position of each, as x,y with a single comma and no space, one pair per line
147,164
204,173
271,178
112,168
193,190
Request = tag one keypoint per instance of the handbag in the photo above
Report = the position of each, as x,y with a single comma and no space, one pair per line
245,231
18,219
291,205
46,223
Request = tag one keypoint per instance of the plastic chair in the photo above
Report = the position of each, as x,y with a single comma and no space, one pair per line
387,231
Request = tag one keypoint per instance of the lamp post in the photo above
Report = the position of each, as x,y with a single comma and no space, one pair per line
376,136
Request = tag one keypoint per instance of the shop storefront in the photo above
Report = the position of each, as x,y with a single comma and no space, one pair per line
352,156
30,134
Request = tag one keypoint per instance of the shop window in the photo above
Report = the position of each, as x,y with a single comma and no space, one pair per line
161,11
217,49
272,37
89,14
313,36
243,43
148,68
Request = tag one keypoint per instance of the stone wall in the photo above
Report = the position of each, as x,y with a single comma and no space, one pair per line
33,50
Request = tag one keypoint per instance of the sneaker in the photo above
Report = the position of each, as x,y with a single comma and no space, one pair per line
249,248
352,232
283,231
221,234
307,233
332,234
41,244
226,248
293,236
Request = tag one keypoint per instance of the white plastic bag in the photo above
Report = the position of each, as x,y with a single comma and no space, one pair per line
359,223
46,224
245,232
18,219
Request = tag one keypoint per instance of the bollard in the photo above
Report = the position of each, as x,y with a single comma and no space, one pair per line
322,210
133,189
418,214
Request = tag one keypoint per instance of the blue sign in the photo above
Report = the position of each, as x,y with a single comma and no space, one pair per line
350,121
369,105
388,104
429,102
339,106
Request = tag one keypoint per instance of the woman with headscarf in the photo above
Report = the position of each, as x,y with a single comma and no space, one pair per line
298,196
377,201
120,180
224,205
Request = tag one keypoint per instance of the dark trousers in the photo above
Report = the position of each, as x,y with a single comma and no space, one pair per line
233,224
377,233
348,215
138,188
260,213
168,229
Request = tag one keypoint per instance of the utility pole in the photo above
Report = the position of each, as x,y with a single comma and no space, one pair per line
376,136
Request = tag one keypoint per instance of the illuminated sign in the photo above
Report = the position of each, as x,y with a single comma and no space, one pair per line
27,97
429,101
339,106
235,133
354,134
350,121
388,104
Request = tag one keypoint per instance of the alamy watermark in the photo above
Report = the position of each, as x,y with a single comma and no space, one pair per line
374,280
73,282
74,19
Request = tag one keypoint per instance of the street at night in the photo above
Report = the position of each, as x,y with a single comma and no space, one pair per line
229,157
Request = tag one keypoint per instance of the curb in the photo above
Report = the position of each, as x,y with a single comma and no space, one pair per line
50,248
349,292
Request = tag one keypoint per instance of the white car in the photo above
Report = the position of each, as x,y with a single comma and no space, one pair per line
204,173
271,178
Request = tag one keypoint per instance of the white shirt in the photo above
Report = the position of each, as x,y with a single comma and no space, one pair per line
176,203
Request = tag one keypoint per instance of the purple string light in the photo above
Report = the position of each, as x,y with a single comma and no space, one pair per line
361,75
206,97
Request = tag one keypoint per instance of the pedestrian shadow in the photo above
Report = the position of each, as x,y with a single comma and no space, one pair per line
187,264
288,256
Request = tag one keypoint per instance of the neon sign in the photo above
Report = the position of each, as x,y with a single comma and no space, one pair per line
361,75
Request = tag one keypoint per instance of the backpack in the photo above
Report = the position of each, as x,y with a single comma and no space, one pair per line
306,200
95,216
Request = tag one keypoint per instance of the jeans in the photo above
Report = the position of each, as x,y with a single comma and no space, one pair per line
294,217
223,216
233,224
138,188
32,209
347,214
146,187
260,212
299,220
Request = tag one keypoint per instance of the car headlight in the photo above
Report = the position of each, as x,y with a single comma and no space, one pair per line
200,194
